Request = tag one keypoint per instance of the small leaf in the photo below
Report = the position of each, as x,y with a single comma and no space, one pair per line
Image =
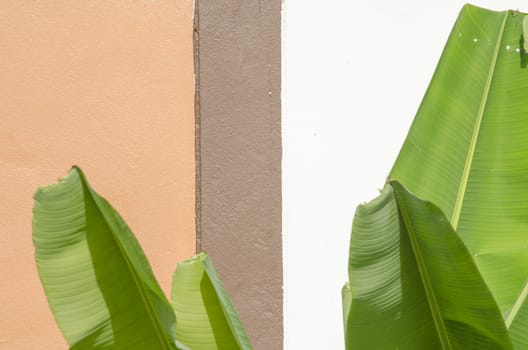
206,317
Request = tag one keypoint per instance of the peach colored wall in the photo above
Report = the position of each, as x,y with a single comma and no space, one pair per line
106,85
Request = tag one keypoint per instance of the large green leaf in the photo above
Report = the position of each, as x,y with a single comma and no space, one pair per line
467,151
206,318
97,280
413,283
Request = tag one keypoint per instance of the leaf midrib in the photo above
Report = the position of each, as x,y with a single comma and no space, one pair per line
146,301
474,137
426,281
519,301
228,309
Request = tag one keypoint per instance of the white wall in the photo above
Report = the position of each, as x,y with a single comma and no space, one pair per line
354,73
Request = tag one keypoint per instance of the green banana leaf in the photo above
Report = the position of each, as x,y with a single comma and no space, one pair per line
413,284
206,319
101,288
96,277
467,152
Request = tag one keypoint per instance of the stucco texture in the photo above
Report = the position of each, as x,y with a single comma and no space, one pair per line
109,86
240,152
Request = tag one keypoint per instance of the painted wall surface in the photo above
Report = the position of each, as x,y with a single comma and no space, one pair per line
109,86
240,153
354,73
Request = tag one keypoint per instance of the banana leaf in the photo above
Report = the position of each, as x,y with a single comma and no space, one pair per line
413,283
206,318
101,288
96,277
467,152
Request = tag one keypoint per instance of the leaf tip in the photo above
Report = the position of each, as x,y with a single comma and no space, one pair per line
60,181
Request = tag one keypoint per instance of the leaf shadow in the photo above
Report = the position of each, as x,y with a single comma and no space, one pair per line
223,335
125,327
